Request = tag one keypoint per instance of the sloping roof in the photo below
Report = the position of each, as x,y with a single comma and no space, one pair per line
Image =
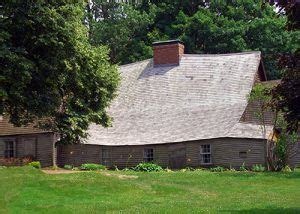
6,128
202,98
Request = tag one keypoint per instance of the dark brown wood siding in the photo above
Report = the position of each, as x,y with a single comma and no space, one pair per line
295,155
39,146
78,154
225,152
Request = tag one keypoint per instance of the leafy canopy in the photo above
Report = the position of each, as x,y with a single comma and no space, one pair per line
204,26
49,71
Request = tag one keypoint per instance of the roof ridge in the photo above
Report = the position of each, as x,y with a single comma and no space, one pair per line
138,62
200,55
225,54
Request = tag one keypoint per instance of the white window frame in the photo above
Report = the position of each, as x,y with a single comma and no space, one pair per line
202,153
146,157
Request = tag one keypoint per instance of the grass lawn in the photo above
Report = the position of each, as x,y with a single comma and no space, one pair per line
27,190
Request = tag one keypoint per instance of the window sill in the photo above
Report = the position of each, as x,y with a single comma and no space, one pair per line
205,164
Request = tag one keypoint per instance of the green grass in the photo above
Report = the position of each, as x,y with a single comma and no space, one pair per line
27,190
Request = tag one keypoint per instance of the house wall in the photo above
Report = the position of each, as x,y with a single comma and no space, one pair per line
225,152
38,146
295,155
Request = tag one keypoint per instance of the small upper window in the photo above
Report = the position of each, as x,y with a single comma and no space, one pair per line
148,155
9,151
243,154
205,154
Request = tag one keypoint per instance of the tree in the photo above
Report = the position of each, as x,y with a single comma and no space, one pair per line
122,28
210,26
281,145
49,71
286,95
235,26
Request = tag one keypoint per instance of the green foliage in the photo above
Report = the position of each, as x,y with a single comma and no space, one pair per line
282,151
49,71
68,167
261,95
147,167
217,169
286,169
286,95
123,29
258,168
243,168
283,146
35,164
92,167
204,26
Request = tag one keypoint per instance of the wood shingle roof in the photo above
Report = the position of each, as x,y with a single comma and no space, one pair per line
204,97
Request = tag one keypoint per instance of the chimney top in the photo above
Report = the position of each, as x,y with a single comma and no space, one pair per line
167,42
167,52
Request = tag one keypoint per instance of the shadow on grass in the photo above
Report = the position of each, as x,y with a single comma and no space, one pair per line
266,210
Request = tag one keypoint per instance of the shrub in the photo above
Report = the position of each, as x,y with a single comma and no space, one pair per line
286,169
92,167
15,161
68,167
217,169
147,167
243,167
35,164
258,168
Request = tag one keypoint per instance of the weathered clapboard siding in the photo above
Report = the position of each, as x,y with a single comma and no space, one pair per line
295,156
250,114
39,146
78,154
225,152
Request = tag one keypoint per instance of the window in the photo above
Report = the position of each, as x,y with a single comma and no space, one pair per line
205,154
9,151
105,157
148,155
243,154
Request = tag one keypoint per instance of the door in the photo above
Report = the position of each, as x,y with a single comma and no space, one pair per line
29,145
177,156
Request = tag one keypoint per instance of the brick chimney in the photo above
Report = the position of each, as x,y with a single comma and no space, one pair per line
167,52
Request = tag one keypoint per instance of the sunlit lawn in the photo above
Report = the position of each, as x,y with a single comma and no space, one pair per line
27,190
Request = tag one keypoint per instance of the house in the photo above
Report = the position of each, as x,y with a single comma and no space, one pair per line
177,110
20,142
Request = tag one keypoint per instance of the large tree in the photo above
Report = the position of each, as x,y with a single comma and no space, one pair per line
286,95
49,71
122,27
209,26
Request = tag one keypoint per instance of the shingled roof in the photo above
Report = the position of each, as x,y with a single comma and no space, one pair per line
203,97
7,128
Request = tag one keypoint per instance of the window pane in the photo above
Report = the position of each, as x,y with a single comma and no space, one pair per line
206,158
9,149
148,155
205,148
205,154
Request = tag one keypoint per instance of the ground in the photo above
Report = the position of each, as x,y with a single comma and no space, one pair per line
28,190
